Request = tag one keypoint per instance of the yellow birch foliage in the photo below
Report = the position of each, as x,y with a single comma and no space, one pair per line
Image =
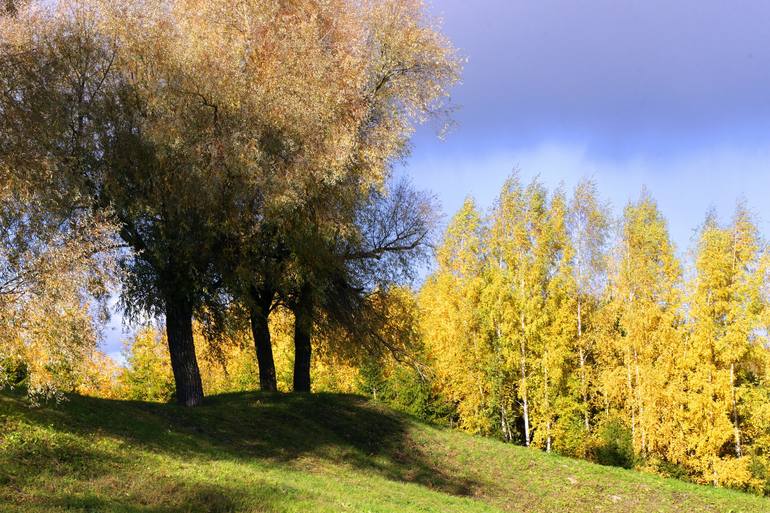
724,351
642,342
450,323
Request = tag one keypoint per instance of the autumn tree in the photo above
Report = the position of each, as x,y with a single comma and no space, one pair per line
450,321
147,375
177,122
55,271
411,67
588,226
94,141
726,308
557,405
530,289
342,275
643,316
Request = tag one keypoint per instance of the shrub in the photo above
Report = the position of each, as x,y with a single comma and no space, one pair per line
613,444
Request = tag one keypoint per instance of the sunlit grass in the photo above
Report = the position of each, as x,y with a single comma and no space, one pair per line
282,453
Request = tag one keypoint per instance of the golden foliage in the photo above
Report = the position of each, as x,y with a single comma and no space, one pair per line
541,333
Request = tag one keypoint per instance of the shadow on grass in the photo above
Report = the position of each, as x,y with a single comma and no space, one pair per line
281,428
165,496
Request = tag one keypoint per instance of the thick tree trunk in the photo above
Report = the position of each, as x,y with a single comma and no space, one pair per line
303,328
260,330
181,347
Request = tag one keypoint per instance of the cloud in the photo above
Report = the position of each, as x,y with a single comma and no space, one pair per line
686,185
671,95
613,76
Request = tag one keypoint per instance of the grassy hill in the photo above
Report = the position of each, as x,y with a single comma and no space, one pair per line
324,453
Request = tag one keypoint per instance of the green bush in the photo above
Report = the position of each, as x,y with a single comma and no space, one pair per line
405,390
613,444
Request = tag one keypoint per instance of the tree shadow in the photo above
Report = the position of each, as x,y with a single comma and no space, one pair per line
188,497
292,429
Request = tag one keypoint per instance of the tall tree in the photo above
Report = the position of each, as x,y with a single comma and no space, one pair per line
588,225
557,342
341,274
410,70
177,116
529,277
727,306
644,312
451,323
401,72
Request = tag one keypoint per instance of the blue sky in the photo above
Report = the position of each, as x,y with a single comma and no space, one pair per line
674,96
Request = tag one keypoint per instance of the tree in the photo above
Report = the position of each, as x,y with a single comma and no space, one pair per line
450,320
556,345
727,306
148,375
588,225
643,319
54,275
400,74
532,285
411,68
343,275
176,117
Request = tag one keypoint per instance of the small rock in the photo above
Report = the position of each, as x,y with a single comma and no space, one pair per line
615,498
572,480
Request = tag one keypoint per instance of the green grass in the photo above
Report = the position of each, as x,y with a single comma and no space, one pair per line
282,453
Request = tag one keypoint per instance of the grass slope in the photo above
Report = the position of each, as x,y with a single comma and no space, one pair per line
324,453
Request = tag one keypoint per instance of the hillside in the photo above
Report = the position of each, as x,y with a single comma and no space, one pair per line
323,453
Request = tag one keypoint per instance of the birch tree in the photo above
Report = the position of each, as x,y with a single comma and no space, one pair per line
645,299
588,225
450,320
727,305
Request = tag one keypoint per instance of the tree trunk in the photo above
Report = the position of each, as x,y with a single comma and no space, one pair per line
736,425
640,402
524,398
583,377
547,406
303,328
504,425
181,347
632,400
260,309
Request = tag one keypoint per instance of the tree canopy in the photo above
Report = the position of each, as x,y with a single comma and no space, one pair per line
194,125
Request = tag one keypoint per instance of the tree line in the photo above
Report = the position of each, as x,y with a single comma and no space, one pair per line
549,323
219,159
